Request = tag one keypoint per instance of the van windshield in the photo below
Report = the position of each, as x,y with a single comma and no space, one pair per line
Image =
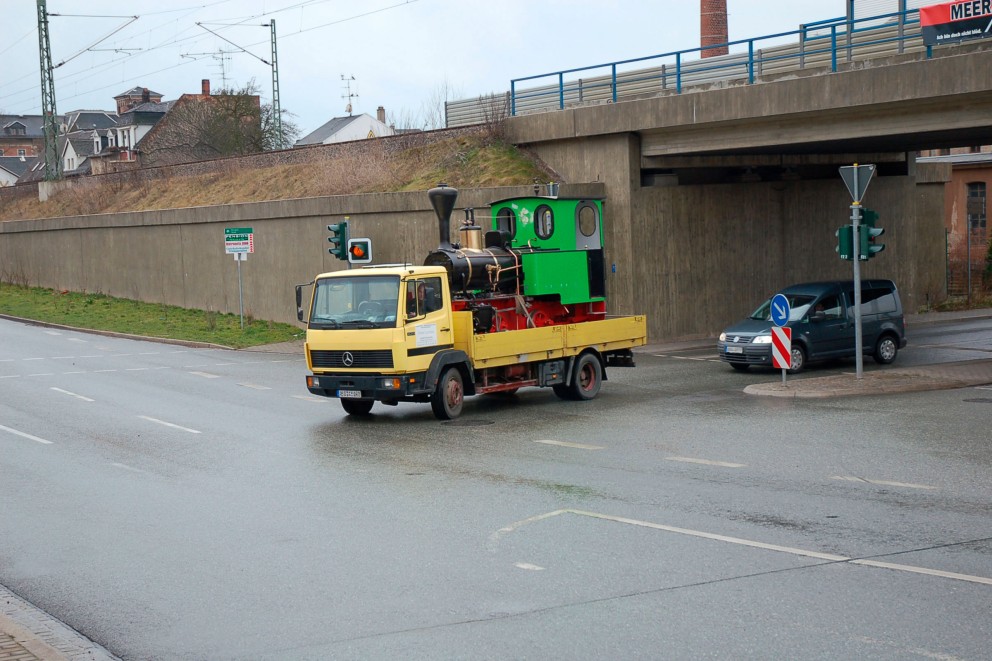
798,303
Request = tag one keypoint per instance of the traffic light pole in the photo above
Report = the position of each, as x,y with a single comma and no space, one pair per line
856,232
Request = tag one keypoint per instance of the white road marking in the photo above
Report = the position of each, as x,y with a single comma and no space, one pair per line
10,376
52,332
254,387
578,446
829,557
27,436
6,360
76,339
127,468
707,462
206,375
43,374
102,371
72,394
528,566
885,483
97,356
79,372
307,398
29,359
149,353
62,357
168,424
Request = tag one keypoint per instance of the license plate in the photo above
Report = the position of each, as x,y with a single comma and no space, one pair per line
731,349
350,394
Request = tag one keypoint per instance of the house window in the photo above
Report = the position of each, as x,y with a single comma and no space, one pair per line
976,206
22,152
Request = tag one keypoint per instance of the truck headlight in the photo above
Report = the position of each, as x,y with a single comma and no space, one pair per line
392,384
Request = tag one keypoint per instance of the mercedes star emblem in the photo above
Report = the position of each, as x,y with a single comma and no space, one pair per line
347,359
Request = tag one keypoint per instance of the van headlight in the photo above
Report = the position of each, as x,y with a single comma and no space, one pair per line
723,336
762,339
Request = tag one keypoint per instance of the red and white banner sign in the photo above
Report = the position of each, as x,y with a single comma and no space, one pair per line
953,22
781,347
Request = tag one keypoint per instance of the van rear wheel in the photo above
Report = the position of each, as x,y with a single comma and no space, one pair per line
886,350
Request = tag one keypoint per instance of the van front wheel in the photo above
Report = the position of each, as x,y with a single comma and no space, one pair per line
886,350
798,359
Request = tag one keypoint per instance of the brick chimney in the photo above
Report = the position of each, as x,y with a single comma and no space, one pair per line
380,114
205,87
712,27
145,97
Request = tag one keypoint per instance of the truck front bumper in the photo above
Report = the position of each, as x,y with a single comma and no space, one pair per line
378,387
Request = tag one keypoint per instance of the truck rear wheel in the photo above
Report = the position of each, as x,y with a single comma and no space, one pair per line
449,395
587,377
357,406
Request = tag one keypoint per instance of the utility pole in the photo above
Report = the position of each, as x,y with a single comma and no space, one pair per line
50,117
276,108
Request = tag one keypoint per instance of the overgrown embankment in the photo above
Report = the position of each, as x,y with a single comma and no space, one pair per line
460,158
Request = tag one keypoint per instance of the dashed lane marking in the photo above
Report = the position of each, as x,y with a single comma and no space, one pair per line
528,566
307,398
25,435
827,557
127,468
72,394
76,339
884,483
254,386
30,359
43,374
206,375
565,444
168,424
706,462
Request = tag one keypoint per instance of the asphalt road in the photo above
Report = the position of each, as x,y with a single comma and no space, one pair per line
170,502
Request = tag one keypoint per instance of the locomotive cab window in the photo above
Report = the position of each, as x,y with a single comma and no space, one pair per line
544,222
506,221
588,217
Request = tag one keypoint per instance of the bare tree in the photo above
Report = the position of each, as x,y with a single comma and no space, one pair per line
433,110
232,122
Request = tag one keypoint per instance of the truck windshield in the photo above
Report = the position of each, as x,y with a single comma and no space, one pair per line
798,304
355,302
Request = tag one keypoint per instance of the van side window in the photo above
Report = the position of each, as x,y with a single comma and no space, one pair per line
877,299
831,307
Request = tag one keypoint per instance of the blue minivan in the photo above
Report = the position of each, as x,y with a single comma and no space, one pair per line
822,322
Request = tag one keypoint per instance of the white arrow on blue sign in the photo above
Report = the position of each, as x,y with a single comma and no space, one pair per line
780,310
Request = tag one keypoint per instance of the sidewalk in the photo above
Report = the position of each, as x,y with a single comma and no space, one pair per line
29,634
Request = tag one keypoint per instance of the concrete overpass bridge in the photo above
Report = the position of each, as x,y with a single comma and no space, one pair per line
720,195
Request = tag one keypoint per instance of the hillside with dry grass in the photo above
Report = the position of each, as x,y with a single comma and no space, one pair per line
465,159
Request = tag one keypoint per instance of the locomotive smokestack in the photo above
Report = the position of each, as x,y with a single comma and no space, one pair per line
443,200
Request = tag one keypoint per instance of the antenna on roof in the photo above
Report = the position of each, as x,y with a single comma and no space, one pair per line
350,94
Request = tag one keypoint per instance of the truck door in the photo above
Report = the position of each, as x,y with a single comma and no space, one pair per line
428,321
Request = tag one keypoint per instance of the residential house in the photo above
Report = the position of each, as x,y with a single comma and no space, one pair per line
22,135
352,127
13,167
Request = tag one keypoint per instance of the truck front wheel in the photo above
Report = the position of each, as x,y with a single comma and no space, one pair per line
449,395
587,377
357,406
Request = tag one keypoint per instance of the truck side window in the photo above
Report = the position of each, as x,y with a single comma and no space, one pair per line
423,296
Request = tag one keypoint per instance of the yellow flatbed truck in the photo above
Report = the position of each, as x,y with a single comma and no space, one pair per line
391,334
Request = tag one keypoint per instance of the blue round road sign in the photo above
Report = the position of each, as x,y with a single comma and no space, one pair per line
780,310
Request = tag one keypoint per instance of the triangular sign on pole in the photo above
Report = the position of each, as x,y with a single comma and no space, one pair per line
856,178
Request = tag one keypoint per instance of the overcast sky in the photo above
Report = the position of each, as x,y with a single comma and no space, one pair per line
401,54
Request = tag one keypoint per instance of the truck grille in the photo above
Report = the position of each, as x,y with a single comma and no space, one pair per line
361,359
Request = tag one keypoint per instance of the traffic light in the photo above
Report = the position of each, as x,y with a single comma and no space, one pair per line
845,242
338,239
359,251
867,248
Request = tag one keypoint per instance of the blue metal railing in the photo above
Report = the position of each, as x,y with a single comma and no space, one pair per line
839,38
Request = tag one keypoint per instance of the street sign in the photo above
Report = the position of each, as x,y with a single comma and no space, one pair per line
856,178
239,240
781,348
780,310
